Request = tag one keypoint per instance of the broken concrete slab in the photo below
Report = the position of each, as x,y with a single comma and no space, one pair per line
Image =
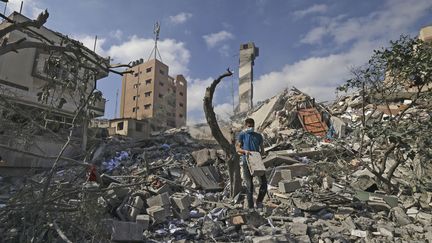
135,208
298,228
255,163
205,157
279,175
206,178
125,231
289,186
159,214
376,198
159,200
181,200
143,219
274,159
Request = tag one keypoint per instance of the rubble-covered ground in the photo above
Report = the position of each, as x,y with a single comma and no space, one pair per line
174,188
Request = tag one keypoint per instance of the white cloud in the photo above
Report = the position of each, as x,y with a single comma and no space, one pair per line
314,36
180,18
316,8
196,91
396,17
30,9
214,39
174,53
319,76
116,34
224,50
224,111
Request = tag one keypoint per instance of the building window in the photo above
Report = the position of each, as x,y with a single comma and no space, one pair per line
136,86
160,95
135,109
180,115
148,70
136,97
245,46
120,126
161,72
147,106
147,94
181,93
136,74
148,81
181,104
161,84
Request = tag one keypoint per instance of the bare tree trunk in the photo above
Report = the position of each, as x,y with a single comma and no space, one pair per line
233,158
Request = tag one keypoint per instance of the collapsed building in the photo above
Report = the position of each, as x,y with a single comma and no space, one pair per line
27,76
171,187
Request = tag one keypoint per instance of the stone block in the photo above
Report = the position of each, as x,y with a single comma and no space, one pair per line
143,219
159,214
181,201
298,229
289,186
135,208
264,239
280,175
181,213
359,233
159,200
256,166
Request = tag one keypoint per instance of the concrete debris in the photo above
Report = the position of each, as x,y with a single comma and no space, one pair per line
175,188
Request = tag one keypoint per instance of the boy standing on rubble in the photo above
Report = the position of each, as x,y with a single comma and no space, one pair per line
249,140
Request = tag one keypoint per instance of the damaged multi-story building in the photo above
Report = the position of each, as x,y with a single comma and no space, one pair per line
24,75
151,100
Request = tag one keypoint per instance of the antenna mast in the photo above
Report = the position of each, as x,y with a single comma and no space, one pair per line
156,31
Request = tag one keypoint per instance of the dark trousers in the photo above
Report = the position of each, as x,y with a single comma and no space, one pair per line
250,186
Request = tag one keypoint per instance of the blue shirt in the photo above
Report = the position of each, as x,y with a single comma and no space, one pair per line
250,140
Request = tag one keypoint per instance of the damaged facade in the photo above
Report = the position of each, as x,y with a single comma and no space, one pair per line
26,76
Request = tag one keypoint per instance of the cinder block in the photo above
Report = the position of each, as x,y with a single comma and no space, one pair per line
280,175
181,213
180,200
135,208
159,200
289,186
159,214
143,219
256,166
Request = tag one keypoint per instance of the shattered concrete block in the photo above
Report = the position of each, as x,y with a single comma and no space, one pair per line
205,157
181,213
274,160
181,200
143,219
256,166
359,233
289,186
280,175
385,232
159,214
126,231
303,239
159,200
399,216
135,208
298,229
163,189
327,182
264,239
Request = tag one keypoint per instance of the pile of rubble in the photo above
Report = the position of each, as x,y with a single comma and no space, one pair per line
173,188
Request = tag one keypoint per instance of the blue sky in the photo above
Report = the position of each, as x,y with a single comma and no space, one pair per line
311,45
